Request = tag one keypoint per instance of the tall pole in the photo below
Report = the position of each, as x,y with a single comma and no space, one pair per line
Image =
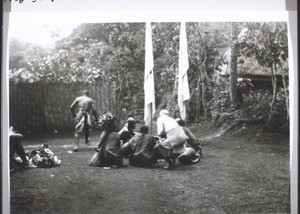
151,122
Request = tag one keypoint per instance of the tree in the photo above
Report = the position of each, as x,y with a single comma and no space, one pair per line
20,53
114,53
267,42
204,57
233,64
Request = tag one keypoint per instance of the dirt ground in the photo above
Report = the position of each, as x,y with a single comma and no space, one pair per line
242,171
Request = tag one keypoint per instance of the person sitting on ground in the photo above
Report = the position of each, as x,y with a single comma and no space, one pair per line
140,149
82,119
15,145
127,132
174,143
192,141
107,153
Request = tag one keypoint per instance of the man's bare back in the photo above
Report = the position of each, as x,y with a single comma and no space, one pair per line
84,104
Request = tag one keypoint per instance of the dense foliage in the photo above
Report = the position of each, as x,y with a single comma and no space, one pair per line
114,53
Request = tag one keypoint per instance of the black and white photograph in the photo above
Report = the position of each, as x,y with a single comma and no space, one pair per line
182,115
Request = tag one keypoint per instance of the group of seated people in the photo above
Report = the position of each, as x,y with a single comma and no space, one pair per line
173,142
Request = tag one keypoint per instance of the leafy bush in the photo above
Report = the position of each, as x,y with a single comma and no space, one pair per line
255,109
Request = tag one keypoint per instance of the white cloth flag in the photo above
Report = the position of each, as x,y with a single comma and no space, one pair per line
149,109
183,85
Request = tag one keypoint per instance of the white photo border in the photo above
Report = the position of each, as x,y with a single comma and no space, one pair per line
191,15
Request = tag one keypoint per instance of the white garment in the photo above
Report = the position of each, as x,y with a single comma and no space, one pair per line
165,124
79,127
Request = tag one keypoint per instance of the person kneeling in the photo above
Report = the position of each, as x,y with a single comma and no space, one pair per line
173,138
192,141
107,152
140,149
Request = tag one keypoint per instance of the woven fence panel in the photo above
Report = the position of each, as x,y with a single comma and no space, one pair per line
26,108
39,108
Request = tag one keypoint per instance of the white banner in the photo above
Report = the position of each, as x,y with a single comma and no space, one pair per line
149,109
183,85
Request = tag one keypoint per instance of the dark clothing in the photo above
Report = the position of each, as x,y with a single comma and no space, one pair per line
192,141
15,145
108,154
125,136
141,148
126,133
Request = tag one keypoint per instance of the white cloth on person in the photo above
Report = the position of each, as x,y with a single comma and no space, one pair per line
165,124
175,135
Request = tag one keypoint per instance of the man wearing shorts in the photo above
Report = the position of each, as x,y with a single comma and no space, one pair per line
82,119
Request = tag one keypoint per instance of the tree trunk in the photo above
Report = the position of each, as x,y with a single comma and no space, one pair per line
120,94
274,83
204,99
198,108
233,66
116,99
286,94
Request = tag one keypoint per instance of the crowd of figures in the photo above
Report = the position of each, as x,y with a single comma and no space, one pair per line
173,142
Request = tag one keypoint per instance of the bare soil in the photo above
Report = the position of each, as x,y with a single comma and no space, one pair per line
244,170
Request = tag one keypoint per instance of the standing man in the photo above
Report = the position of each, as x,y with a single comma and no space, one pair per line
82,119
